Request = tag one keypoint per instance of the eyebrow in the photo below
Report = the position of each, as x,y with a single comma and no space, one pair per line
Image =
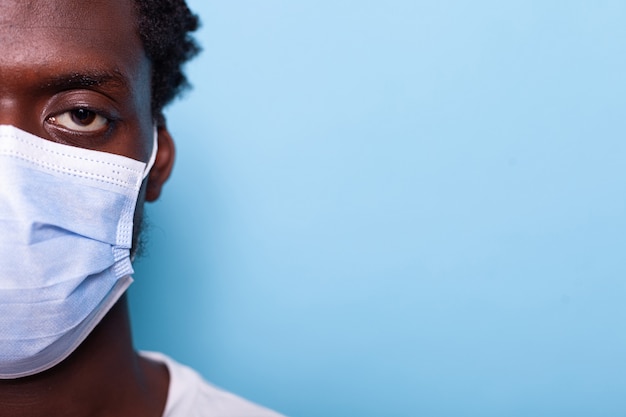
86,79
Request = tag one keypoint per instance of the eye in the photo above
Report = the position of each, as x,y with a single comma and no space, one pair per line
80,120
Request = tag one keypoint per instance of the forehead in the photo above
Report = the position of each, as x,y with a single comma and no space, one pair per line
69,35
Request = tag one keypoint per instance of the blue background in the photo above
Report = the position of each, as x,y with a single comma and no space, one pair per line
399,208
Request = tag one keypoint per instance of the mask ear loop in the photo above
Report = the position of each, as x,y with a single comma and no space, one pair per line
149,165
153,155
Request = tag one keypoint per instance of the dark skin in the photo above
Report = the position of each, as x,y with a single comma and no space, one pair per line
75,72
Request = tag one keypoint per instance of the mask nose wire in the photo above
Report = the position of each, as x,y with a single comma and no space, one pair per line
153,154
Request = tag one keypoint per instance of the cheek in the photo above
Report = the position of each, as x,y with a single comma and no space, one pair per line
143,90
143,105
135,136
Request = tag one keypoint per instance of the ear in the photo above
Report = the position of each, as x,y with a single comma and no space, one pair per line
163,163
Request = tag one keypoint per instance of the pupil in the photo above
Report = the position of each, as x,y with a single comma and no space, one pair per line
83,116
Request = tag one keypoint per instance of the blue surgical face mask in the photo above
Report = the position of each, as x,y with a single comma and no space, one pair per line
66,229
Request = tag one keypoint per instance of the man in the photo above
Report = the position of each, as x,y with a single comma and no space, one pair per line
83,144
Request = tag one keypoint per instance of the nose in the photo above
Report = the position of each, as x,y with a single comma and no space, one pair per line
21,113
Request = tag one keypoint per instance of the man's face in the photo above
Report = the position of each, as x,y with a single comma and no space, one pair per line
75,72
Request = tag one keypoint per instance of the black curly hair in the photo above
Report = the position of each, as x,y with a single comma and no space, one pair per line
165,28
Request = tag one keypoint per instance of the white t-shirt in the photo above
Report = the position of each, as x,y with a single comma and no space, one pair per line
191,396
